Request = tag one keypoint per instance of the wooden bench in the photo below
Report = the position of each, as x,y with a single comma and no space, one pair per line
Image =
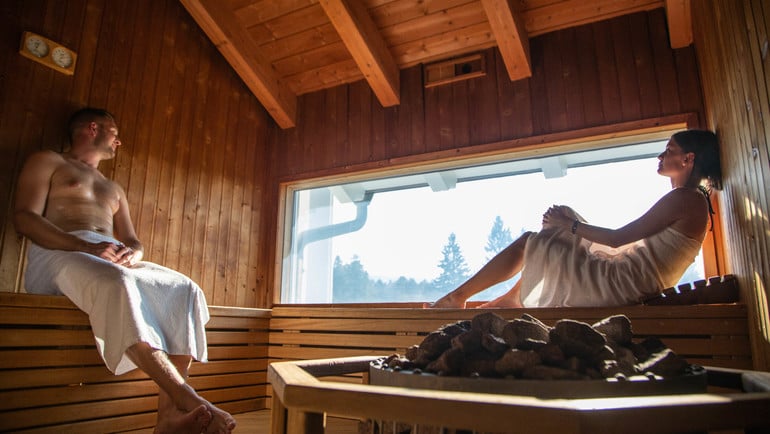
709,335
52,379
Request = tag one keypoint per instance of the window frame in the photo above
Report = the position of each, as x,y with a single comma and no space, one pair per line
531,147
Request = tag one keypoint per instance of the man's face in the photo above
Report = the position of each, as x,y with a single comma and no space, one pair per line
107,137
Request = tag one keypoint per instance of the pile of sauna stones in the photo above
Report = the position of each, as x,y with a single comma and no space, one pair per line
491,346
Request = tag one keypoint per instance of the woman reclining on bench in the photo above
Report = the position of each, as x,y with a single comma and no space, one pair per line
572,263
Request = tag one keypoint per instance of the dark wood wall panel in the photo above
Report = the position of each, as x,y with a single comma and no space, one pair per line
731,40
194,157
619,70
598,74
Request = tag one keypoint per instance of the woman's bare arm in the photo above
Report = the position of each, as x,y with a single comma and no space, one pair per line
683,209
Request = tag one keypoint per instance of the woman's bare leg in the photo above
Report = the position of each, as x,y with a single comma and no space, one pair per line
511,299
500,268
173,384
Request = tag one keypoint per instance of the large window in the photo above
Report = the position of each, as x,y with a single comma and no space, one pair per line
412,238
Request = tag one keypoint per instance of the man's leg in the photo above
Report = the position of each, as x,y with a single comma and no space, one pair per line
173,420
500,268
178,393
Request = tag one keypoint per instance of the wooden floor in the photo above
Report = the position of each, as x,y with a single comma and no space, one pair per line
258,422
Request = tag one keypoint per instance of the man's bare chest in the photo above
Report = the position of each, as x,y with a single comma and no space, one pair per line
83,184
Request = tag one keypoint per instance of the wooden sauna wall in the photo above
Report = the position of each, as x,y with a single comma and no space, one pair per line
609,72
604,73
731,40
193,156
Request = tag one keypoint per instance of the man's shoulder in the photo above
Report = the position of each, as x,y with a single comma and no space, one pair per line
46,156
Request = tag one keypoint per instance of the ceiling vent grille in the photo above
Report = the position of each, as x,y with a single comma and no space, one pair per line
453,70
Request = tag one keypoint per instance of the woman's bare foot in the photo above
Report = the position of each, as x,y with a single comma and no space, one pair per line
504,300
176,421
448,301
221,422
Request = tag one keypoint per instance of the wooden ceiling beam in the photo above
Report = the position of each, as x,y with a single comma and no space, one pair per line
511,35
236,45
367,47
679,19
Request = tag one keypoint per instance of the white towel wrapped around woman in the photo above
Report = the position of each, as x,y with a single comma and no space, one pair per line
561,269
145,303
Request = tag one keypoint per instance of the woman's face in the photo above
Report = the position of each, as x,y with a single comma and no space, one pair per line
674,160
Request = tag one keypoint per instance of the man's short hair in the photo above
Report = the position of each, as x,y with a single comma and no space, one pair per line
84,116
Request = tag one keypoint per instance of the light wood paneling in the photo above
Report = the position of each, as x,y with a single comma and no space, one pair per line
732,44
193,155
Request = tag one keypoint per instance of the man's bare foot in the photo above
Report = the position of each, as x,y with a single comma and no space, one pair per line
448,301
180,422
221,423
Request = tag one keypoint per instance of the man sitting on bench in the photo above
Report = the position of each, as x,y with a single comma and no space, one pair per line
83,245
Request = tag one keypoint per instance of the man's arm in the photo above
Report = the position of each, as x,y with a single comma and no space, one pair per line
125,233
31,198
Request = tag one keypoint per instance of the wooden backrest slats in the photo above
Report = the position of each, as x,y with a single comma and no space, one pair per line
109,424
74,412
37,358
52,379
714,334
48,396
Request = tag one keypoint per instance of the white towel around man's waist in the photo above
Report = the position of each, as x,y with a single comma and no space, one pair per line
146,303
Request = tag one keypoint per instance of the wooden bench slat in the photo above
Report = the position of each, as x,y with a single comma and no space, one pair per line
717,347
699,326
47,396
207,382
75,412
137,421
307,353
237,323
110,424
242,406
36,301
723,362
41,358
98,374
577,313
245,312
245,337
227,352
345,340
26,378
226,367
46,338
691,326
36,315
681,345
233,393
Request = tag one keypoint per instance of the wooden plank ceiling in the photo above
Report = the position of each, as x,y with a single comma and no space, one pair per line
285,48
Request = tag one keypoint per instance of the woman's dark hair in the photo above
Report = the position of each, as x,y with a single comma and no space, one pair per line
85,115
705,145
